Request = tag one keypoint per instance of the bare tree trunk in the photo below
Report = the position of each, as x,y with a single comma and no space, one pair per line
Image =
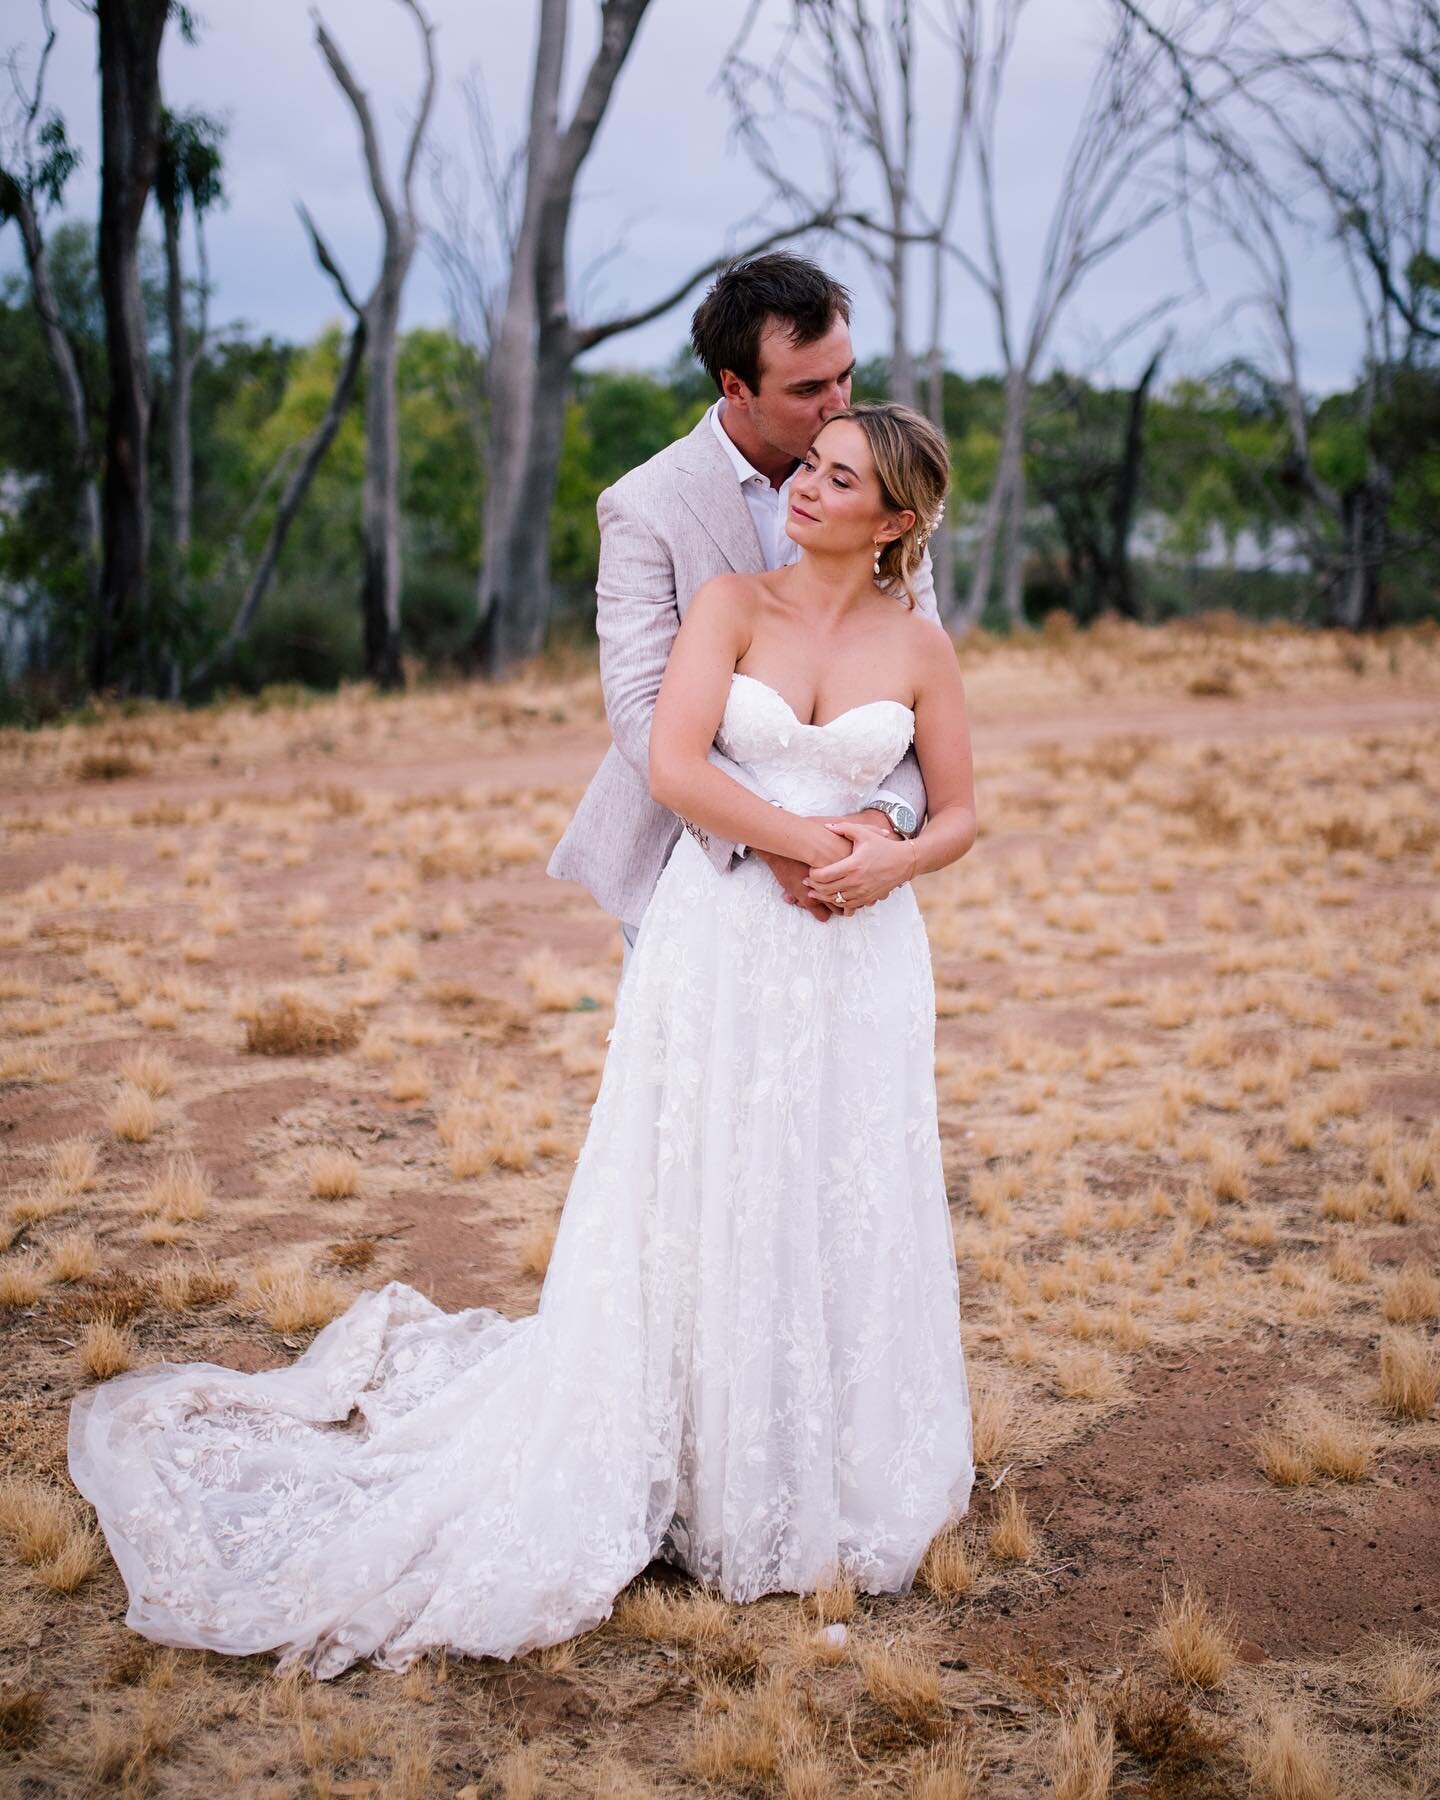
61,356
902,363
130,34
381,577
536,342
511,567
181,369
1127,487
380,584
1006,492
942,545
291,501
1012,587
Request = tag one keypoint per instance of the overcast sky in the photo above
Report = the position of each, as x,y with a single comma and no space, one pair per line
664,190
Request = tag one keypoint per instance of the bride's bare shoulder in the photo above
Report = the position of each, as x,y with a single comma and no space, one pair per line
932,649
743,598
728,590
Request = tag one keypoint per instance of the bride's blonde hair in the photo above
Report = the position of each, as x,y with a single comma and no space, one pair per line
912,464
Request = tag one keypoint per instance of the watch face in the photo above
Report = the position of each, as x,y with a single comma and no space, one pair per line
902,817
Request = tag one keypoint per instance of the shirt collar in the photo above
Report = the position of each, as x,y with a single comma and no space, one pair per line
744,469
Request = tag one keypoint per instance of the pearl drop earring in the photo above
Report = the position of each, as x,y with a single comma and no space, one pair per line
877,562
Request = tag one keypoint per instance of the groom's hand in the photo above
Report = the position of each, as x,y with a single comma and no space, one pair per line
792,877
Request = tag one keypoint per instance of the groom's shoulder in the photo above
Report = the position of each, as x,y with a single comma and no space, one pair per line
659,475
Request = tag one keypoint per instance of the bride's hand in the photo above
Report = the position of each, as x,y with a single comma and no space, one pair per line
875,866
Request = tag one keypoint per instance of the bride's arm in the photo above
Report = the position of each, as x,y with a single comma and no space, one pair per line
688,710
942,747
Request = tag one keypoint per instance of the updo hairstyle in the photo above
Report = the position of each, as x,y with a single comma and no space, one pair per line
912,464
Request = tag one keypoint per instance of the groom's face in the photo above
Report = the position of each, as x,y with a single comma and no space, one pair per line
801,385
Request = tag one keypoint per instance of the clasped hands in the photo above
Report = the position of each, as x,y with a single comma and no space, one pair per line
877,861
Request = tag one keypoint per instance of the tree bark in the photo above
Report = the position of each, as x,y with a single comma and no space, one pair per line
531,359
291,501
380,584
130,33
61,355
181,370
381,575
1012,587
1002,500
511,566
1121,581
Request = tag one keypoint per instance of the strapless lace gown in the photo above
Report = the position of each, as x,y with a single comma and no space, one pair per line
747,1355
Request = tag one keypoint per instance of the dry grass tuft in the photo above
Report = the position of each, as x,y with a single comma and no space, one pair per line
755,1731
133,1115
1198,1647
1289,1760
1012,1537
947,1568
334,1174
1411,1295
1087,1375
1403,1675
834,1600
409,1080
948,1770
179,1194
150,1070
46,1534
1310,1441
648,1611
106,1349
22,1712
293,1025
292,1299
903,1681
1156,1724
73,1256
182,1287
73,1165
21,1282
1082,1758
353,1256
536,1250
1409,1375
554,987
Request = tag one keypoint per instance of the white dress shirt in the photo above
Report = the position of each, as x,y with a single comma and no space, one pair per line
769,508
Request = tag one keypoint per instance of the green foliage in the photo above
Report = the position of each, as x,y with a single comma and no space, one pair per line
188,167
1218,468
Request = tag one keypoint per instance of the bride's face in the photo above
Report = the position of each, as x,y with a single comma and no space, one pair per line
835,501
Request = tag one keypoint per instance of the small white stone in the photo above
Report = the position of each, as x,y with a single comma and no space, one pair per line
836,1636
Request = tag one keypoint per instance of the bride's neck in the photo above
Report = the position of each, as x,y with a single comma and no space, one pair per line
832,586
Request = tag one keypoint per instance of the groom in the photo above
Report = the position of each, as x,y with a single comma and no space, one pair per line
773,333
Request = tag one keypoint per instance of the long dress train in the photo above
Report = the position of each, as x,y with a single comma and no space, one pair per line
746,1358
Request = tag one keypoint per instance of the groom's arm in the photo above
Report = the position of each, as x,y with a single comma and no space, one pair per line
905,782
636,620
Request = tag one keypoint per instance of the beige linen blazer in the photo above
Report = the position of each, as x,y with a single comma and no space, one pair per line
665,529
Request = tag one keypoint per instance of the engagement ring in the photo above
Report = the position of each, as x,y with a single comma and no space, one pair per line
839,899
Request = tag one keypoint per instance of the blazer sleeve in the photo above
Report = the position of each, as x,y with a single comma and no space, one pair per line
637,619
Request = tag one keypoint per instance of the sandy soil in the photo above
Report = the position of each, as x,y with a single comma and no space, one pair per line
1190,1007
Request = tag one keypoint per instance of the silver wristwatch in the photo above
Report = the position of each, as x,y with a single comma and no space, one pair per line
901,816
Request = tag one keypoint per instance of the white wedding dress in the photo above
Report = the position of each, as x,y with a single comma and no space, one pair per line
746,1358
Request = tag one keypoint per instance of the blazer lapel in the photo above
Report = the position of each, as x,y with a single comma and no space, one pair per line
712,493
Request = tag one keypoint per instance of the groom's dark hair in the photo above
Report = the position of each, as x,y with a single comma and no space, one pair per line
726,328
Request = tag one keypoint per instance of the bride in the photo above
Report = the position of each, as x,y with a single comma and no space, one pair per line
747,1357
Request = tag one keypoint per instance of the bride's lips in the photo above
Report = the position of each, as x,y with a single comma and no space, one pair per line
799,512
